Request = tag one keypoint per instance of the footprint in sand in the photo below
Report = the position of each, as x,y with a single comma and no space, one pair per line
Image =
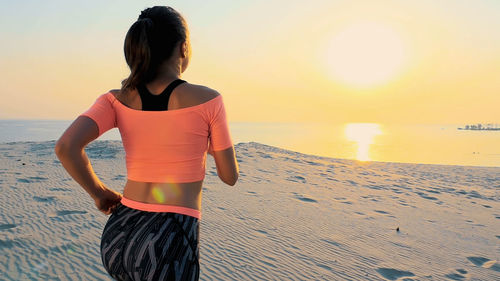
261,232
455,276
297,179
304,198
425,196
59,189
44,199
351,182
381,212
66,212
404,204
331,242
7,226
252,193
324,266
462,271
393,274
31,179
495,266
485,263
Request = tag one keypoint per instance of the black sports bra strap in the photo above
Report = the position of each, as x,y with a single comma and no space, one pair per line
172,86
159,102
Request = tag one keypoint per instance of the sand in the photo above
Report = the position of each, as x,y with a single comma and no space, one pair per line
291,216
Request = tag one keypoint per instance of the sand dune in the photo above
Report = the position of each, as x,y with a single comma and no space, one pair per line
291,216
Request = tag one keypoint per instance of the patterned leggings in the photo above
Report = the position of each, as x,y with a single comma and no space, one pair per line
140,245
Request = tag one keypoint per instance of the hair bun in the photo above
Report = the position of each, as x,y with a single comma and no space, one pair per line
144,14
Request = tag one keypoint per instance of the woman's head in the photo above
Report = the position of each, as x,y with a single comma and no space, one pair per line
159,35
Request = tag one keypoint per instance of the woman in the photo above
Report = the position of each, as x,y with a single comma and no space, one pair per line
167,127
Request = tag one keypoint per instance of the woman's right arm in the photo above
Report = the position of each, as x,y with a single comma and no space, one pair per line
70,149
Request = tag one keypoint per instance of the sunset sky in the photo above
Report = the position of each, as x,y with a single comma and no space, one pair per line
273,61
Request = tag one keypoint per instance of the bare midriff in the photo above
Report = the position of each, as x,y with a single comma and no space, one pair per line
186,195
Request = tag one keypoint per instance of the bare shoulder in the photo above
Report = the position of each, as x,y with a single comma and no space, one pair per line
198,93
115,92
119,95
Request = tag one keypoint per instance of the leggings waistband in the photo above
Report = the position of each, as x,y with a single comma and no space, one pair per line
151,207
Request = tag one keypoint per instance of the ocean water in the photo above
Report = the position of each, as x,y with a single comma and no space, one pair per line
420,143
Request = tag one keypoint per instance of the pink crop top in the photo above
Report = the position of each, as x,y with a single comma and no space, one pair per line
164,146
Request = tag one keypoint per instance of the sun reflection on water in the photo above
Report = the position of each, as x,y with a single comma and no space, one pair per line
363,134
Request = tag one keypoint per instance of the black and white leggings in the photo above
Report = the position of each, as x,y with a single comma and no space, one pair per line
140,245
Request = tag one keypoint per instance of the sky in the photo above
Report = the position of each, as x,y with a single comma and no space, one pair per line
425,61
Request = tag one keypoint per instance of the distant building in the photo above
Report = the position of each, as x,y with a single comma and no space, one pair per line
489,127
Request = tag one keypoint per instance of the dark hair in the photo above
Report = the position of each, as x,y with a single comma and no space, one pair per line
150,41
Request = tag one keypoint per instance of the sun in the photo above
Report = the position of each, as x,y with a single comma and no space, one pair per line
366,54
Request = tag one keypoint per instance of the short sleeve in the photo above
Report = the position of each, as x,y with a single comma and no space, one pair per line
103,113
220,137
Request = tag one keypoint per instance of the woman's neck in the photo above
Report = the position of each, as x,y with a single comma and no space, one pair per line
166,74
168,71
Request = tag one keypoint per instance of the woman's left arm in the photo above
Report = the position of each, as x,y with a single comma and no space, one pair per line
70,151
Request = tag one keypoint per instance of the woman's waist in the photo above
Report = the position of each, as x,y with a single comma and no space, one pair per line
186,195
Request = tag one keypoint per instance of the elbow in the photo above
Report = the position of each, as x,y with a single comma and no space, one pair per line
232,180
63,148
60,148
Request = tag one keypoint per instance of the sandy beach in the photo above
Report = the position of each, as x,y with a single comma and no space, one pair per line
291,216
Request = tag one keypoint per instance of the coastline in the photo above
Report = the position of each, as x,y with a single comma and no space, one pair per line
290,216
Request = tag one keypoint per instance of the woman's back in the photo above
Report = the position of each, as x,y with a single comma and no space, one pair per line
167,145
166,140
166,149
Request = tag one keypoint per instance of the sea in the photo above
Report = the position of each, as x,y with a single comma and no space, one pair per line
441,144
